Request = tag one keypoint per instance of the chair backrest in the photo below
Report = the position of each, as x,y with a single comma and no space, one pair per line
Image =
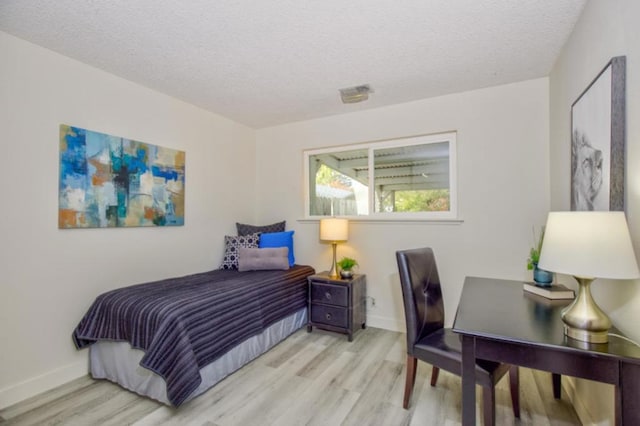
421,292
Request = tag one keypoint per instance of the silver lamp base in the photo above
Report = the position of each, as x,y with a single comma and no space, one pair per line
583,319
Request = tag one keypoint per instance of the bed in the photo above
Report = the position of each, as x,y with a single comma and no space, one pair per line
171,340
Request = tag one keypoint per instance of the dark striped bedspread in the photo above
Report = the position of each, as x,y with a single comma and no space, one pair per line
185,323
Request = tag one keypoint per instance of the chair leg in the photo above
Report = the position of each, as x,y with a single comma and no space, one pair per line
514,382
489,402
410,381
434,375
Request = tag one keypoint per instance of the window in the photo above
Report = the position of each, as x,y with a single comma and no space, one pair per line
413,178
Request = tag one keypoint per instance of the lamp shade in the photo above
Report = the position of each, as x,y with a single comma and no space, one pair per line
334,229
588,244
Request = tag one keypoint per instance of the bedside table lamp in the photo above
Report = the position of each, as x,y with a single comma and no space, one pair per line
334,230
588,245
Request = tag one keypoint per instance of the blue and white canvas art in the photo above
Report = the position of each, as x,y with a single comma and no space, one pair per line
108,181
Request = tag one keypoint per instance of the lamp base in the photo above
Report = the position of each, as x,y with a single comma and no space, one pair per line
583,319
333,273
586,335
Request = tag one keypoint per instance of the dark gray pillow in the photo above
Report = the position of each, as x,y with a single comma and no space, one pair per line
232,245
252,259
244,229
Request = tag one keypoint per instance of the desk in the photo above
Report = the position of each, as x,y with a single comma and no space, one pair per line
498,321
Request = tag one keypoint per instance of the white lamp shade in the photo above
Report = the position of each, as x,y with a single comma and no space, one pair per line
588,245
334,229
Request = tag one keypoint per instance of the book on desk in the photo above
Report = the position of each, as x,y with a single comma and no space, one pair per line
555,291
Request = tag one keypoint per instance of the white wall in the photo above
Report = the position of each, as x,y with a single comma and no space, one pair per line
502,178
50,276
605,29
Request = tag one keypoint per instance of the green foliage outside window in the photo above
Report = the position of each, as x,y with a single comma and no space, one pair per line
434,200
330,177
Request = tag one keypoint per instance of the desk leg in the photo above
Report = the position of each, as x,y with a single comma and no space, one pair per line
468,381
628,395
557,385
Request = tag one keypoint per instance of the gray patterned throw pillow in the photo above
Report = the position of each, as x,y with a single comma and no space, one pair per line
244,229
232,246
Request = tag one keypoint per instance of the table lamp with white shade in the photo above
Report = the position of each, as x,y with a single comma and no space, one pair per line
588,245
335,230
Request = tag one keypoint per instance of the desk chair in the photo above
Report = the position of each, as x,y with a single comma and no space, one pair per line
429,341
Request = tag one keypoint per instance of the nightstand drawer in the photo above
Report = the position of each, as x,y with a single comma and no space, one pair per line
329,315
330,294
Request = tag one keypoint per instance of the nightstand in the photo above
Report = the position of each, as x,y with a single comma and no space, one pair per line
337,304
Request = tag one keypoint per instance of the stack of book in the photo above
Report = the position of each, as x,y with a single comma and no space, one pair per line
555,291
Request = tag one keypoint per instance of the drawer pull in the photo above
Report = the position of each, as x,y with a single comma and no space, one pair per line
327,316
327,295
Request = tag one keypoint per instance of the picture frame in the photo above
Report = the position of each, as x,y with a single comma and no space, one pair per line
598,141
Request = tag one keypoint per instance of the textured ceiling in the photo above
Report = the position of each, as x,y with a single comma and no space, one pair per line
264,63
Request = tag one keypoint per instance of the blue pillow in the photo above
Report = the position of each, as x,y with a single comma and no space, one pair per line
279,239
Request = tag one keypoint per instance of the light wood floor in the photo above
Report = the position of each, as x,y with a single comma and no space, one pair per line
309,379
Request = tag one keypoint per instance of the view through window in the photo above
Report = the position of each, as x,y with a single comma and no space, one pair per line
412,177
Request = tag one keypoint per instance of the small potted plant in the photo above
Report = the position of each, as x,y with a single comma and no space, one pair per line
540,276
346,265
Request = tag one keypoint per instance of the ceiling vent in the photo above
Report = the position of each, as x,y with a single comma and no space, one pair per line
351,95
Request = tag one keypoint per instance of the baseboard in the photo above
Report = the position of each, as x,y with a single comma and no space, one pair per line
385,323
36,385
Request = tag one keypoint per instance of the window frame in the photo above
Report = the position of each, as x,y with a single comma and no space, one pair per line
371,147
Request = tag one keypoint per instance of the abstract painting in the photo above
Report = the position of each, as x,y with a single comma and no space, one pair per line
598,141
108,181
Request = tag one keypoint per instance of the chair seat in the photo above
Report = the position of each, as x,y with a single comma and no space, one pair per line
444,349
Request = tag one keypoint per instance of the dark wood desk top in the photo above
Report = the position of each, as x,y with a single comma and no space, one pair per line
501,310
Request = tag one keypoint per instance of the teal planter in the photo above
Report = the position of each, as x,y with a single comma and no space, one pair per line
542,277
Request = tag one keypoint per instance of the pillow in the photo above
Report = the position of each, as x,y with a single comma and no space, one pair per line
231,246
259,259
244,229
279,239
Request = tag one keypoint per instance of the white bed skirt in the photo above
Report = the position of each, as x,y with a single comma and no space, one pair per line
120,363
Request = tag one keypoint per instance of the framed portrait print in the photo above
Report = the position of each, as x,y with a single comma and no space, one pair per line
598,141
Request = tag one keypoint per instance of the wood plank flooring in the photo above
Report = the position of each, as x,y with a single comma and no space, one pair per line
314,378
